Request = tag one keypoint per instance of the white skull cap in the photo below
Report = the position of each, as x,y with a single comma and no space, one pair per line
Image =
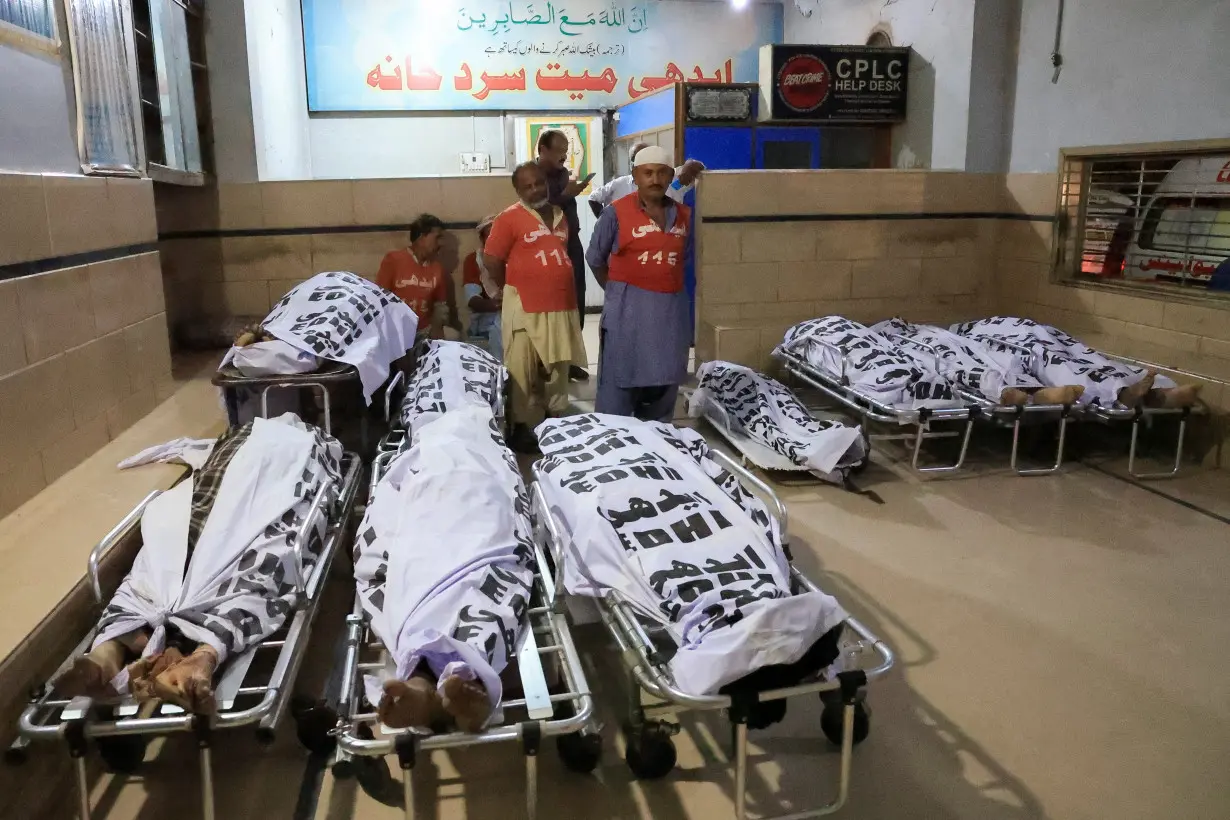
652,155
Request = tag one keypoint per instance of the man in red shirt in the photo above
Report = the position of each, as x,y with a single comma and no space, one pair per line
527,255
638,252
417,277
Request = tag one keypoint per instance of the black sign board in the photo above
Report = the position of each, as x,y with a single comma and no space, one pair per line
855,84
713,102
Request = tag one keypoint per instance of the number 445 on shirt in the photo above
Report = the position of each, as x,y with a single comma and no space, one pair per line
671,258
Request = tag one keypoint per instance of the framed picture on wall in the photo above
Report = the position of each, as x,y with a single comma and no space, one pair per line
30,25
577,132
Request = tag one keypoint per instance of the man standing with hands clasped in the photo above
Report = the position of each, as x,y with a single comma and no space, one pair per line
637,252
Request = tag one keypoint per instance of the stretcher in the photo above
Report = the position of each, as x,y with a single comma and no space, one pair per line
253,689
564,712
1139,416
335,382
650,752
975,408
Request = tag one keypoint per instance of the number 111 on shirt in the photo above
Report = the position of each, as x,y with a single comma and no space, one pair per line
542,257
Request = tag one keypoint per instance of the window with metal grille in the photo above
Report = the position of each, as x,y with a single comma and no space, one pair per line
1159,220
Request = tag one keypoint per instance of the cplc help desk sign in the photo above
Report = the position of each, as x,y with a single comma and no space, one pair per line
867,75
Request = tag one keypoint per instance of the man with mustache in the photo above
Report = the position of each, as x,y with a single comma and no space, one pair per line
526,253
638,253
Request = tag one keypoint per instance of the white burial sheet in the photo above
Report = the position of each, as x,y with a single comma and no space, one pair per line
337,316
444,556
450,376
647,512
962,359
228,581
869,362
1062,360
765,411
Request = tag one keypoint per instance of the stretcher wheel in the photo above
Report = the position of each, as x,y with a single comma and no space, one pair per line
650,754
123,754
580,752
830,722
313,725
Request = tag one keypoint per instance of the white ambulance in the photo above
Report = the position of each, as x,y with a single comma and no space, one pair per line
1186,226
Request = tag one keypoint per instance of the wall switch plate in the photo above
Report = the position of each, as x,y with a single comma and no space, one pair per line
475,163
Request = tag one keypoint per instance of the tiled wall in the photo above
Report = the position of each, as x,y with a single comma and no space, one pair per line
83,334
235,250
778,247
1192,335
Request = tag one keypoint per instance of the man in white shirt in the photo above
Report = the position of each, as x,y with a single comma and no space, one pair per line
620,187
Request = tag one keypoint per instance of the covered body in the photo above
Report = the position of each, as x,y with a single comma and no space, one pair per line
767,412
444,556
648,514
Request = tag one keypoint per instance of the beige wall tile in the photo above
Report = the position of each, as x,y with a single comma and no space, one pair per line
396,201
878,278
800,281
24,231
1214,347
1031,193
12,336
147,352
78,214
153,296
760,193
56,311
883,192
740,345
119,292
1079,300
1018,281
260,258
778,242
1129,308
1204,321
246,299
932,238
865,311
737,283
74,448
130,410
197,259
19,482
359,253
793,312
950,276
280,287
719,243
308,204
99,375
1185,342
851,240
961,192
130,207
720,314
469,199
187,208
35,408
1030,241
706,335
240,206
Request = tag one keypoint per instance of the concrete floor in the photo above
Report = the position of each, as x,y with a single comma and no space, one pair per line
1062,651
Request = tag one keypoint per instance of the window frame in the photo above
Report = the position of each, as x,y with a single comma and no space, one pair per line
32,41
1071,218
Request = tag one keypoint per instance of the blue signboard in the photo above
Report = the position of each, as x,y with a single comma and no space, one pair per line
433,55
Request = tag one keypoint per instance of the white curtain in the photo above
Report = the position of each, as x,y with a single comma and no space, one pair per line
100,38
33,15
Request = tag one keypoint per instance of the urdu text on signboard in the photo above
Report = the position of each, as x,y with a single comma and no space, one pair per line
435,55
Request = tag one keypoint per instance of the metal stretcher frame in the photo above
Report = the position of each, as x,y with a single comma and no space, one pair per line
1119,413
546,634
647,672
79,720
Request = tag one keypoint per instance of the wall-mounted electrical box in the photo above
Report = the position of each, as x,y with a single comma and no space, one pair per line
475,163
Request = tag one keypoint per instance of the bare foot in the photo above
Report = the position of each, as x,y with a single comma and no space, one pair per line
88,678
1059,395
410,703
1133,394
1013,396
142,672
189,683
467,702
1174,398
